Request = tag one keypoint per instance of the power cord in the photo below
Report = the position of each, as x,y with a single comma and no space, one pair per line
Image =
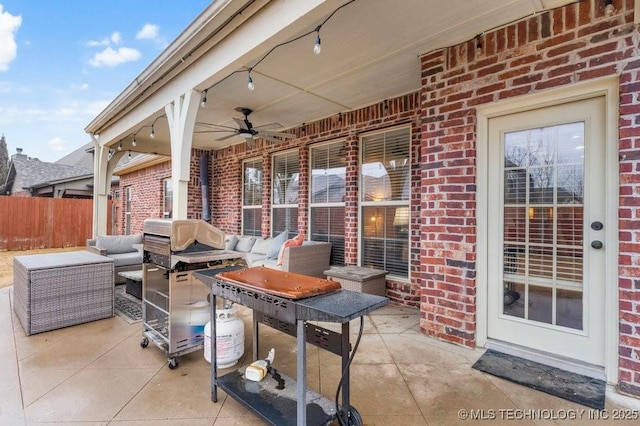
346,368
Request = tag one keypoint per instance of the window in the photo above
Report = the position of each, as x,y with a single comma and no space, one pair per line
328,173
167,198
127,210
385,179
285,193
252,197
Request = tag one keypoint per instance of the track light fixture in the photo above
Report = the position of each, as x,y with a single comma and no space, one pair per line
250,84
120,146
133,142
129,155
203,101
608,7
152,134
317,48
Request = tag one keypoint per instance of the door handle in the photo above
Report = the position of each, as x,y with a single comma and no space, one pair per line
596,244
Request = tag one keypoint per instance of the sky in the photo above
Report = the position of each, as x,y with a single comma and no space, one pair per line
63,61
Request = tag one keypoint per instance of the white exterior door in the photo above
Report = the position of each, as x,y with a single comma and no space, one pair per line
546,230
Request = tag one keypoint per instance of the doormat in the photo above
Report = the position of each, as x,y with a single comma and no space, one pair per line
127,306
563,384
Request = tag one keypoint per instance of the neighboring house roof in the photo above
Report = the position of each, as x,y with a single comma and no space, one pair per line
81,157
29,174
33,171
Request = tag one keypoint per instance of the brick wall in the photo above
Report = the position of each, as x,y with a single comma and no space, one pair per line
556,48
227,177
147,193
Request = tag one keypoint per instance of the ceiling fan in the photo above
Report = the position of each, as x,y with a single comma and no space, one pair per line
246,129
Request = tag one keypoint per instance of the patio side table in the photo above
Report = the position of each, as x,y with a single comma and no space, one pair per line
58,290
133,282
360,279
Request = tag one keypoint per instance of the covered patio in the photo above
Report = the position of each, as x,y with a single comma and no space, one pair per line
97,373
403,104
259,55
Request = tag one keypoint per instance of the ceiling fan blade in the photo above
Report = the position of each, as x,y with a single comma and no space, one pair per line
249,140
213,131
224,138
278,134
270,125
241,123
217,126
270,138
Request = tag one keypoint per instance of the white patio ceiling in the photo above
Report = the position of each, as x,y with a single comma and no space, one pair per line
370,52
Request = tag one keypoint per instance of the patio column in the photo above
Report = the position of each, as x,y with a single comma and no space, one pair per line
103,167
100,187
181,115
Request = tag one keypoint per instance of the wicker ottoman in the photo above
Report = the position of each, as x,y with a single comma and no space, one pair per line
360,279
57,290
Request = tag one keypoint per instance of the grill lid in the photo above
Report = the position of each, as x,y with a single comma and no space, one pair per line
183,233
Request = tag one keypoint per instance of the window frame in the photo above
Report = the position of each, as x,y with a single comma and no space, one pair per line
311,205
167,214
285,206
382,204
244,206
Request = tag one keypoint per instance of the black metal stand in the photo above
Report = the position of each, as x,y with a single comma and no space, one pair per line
284,406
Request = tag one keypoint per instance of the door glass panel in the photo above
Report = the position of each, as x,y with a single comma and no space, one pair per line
543,224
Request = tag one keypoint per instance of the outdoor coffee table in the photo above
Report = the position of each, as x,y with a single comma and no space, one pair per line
58,290
133,282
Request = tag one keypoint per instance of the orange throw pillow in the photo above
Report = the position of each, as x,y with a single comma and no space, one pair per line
297,241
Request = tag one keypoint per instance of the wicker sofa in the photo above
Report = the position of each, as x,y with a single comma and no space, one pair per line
310,258
125,250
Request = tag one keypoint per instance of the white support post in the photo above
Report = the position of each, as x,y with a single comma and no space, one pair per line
101,186
181,115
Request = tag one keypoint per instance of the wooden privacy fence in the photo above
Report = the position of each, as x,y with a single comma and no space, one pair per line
32,223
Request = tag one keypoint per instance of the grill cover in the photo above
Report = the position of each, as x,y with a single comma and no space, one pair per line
280,283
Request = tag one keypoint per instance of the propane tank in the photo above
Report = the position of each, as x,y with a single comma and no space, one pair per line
229,338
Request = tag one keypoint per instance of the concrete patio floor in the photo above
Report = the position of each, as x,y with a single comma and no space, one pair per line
97,374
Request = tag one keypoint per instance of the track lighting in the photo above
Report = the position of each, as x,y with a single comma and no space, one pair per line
120,146
317,48
608,7
250,84
203,101
133,142
152,135
129,155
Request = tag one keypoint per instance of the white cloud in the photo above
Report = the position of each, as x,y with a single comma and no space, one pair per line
104,42
148,32
114,38
9,25
57,144
112,58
